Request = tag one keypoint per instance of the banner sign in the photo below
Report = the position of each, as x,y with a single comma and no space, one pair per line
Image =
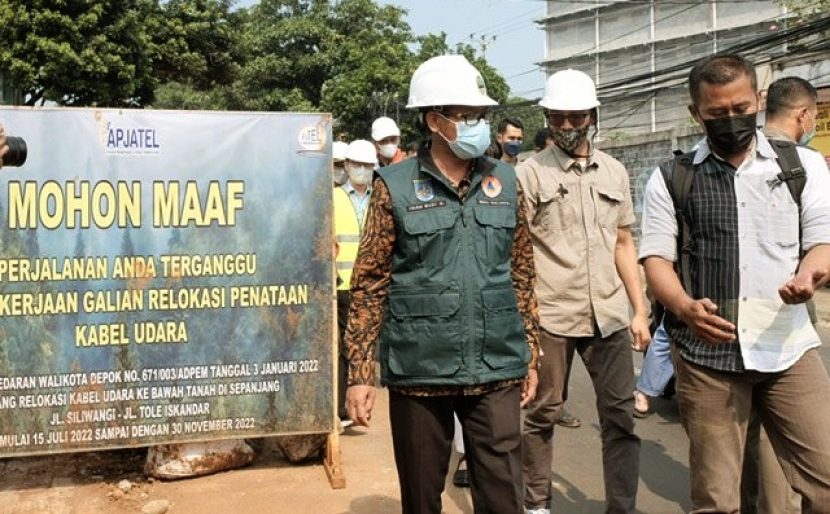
821,141
164,277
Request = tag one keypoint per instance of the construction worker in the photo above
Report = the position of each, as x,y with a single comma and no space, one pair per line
339,175
443,287
387,137
579,201
350,203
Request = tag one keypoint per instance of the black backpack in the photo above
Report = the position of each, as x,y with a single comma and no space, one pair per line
678,175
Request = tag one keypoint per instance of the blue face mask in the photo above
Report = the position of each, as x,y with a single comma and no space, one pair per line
470,140
807,136
512,148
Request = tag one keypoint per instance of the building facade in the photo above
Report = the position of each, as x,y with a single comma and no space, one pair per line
639,52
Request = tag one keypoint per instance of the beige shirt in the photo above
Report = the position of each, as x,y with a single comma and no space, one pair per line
574,216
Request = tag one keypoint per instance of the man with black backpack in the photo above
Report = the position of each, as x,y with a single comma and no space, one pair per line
724,260
790,117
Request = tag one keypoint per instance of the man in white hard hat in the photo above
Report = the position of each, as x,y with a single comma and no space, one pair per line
339,175
443,287
350,203
387,137
579,202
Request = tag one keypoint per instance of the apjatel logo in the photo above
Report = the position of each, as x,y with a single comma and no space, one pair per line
312,138
127,138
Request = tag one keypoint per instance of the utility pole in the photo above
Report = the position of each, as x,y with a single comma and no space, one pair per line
483,42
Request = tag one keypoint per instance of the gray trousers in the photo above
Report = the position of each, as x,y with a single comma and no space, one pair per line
611,368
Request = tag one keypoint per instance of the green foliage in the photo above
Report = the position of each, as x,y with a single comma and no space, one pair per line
194,42
372,65
76,52
175,95
806,8
353,58
113,53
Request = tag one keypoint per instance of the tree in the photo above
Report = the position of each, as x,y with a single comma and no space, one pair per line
113,52
288,44
372,65
806,8
76,52
194,42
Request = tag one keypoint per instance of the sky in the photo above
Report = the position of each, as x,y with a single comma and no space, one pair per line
513,43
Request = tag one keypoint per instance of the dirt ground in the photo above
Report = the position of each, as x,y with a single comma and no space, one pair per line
112,482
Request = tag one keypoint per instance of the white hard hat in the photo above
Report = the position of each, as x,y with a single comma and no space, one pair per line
338,151
363,151
569,90
384,127
447,80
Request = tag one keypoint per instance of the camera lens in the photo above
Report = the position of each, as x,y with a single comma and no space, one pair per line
16,155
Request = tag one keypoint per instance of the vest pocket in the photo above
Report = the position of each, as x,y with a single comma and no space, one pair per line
505,342
499,224
430,231
423,332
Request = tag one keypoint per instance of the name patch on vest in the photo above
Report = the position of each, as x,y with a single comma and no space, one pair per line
425,206
495,203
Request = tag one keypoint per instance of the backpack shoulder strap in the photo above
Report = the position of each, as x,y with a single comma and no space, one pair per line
678,175
792,172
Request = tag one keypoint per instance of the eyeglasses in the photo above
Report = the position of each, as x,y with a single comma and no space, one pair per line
576,119
469,118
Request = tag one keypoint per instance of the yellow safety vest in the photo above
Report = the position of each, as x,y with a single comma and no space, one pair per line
347,234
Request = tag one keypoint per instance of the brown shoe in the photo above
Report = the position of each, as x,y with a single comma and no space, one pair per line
568,420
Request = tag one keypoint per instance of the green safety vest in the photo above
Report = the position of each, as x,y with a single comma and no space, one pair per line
452,317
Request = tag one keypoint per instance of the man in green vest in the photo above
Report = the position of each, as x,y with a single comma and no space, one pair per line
443,294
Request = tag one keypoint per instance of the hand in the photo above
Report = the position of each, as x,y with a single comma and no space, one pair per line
360,400
640,333
700,317
529,388
802,287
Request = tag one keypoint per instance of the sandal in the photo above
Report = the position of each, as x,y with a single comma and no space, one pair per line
461,478
641,407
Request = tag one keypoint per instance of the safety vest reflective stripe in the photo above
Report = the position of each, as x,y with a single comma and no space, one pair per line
347,235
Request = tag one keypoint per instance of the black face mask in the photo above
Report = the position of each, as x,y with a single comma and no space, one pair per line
731,135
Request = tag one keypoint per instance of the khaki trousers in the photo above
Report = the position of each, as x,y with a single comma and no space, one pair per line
764,489
715,407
